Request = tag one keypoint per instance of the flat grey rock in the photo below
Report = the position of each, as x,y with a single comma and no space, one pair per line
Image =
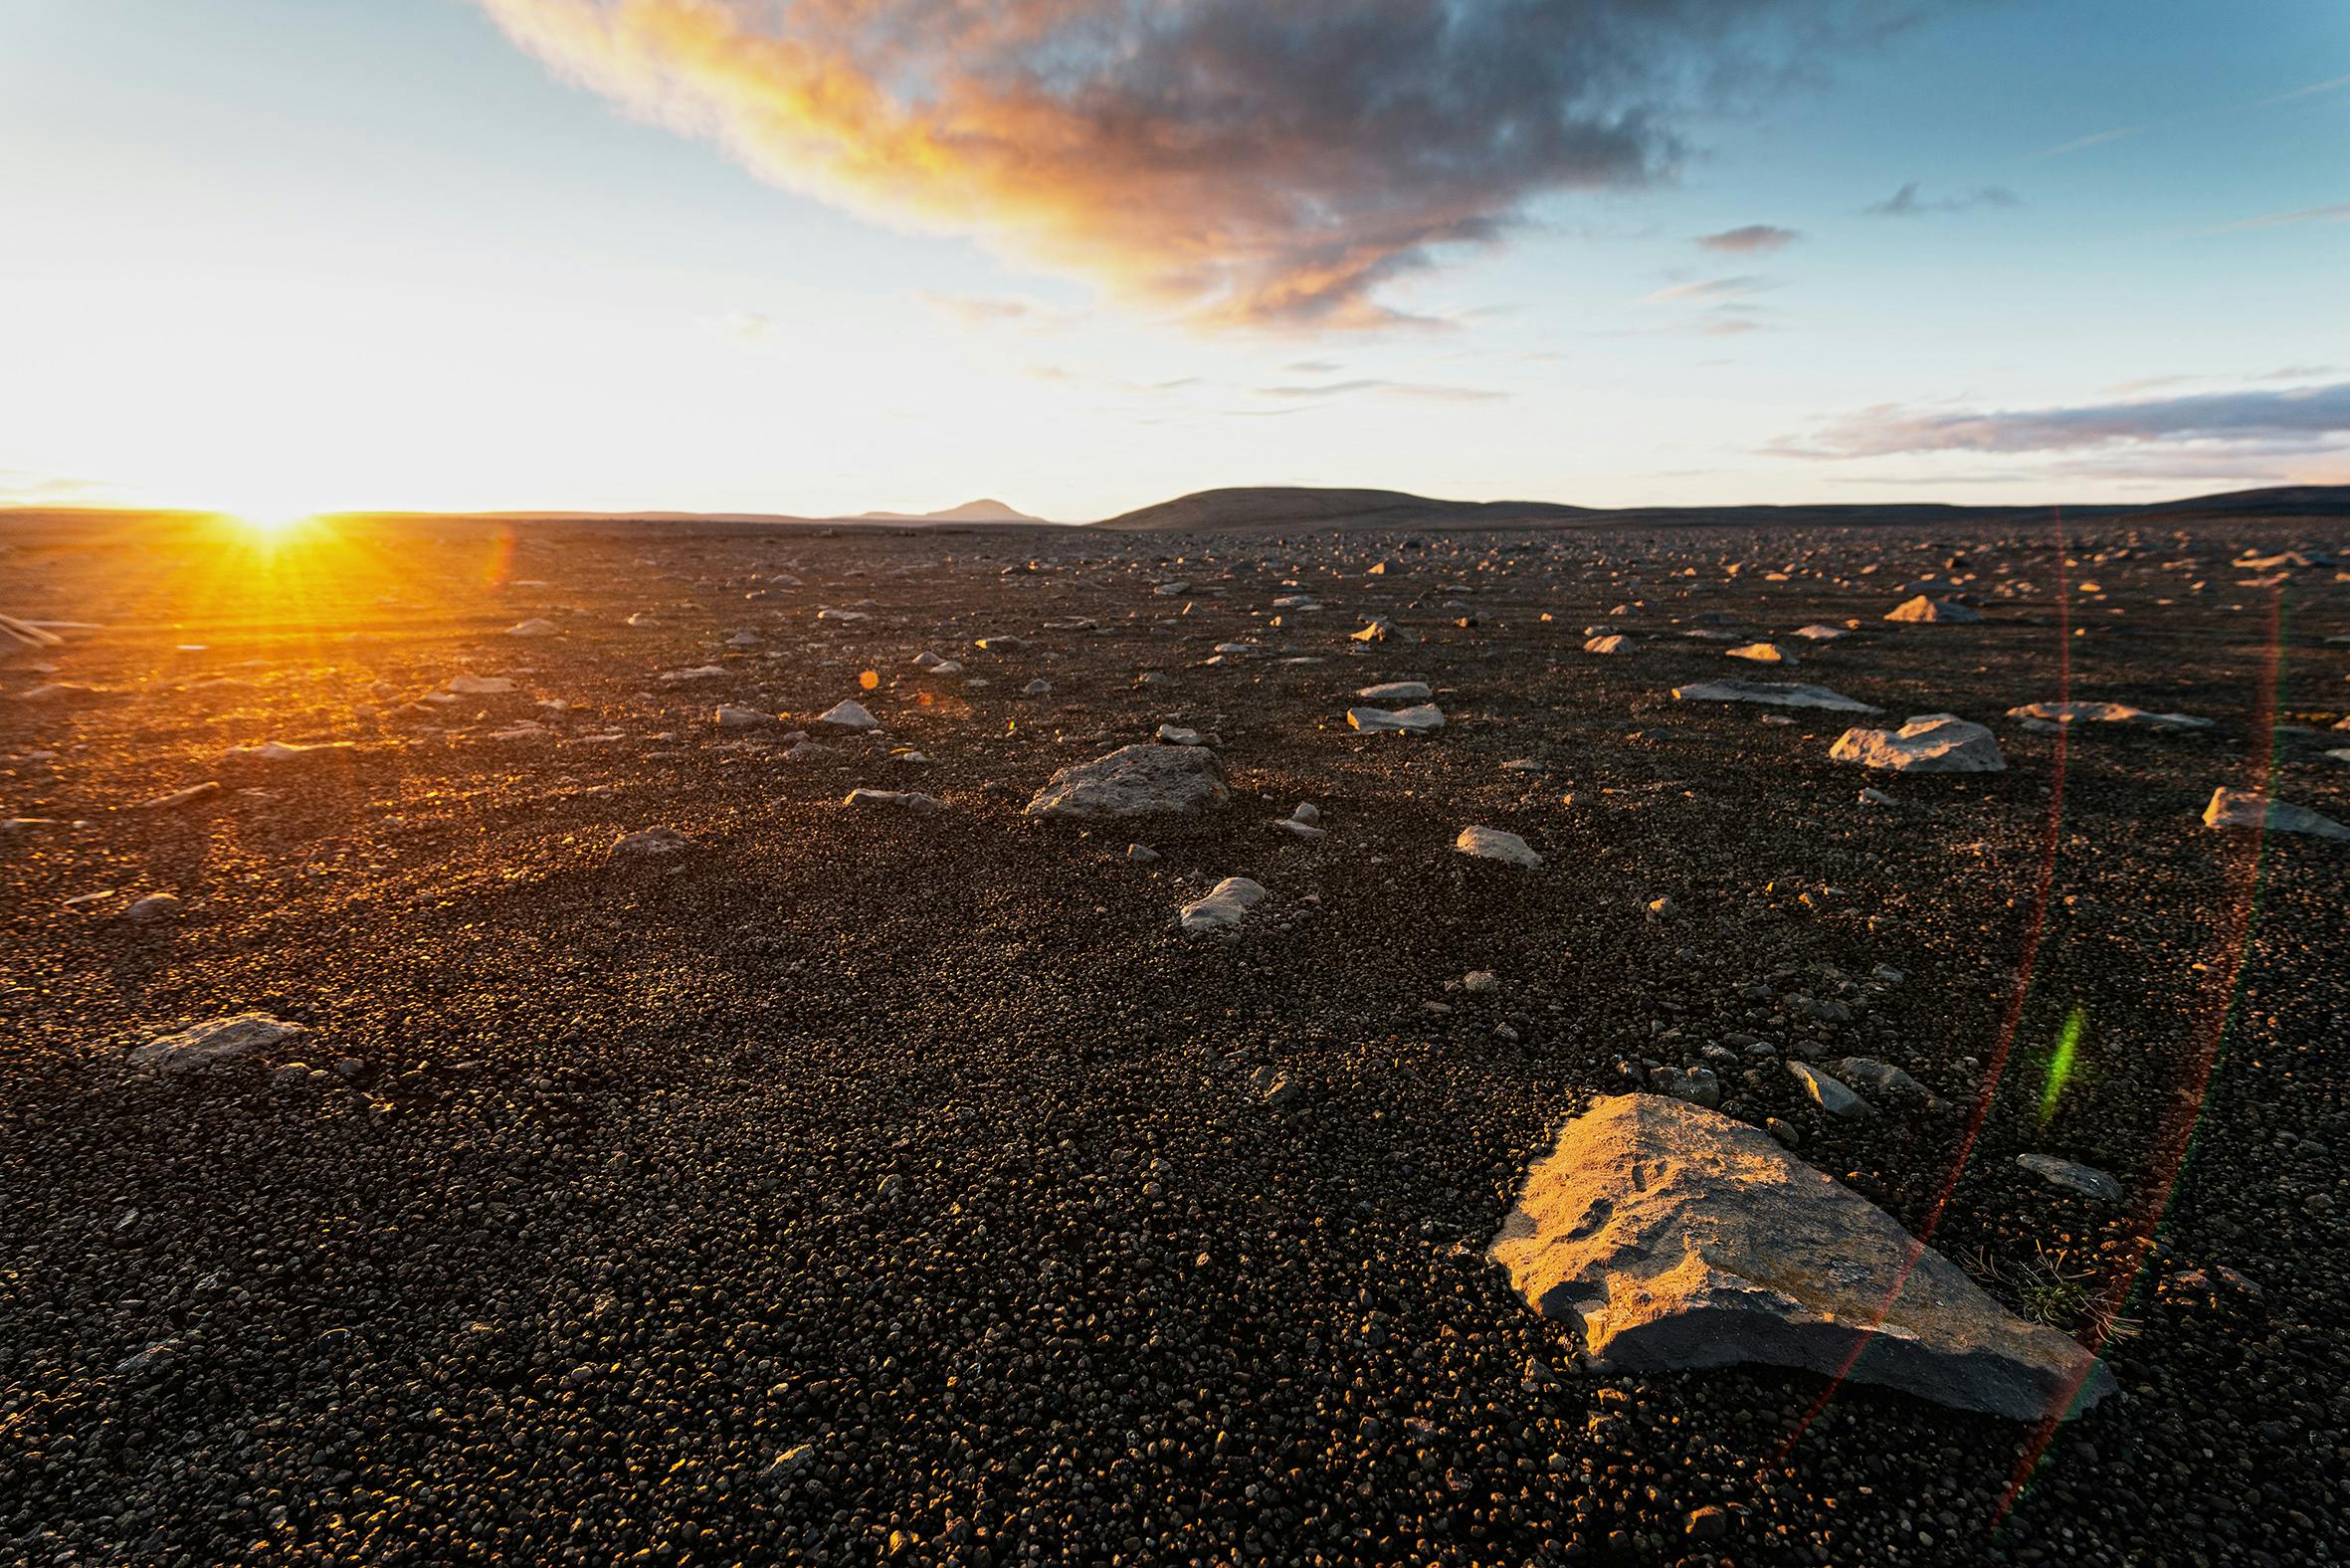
1927,743
1396,691
1410,720
1134,781
2087,1180
1771,694
1675,1237
220,1040
650,841
2245,807
2107,713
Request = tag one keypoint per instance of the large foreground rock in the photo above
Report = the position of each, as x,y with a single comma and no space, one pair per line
1927,743
1679,1238
1772,693
1134,781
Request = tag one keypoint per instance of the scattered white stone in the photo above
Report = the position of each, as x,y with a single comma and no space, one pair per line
1491,843
696,673
533,628
1222,908
1922,608
1927,743
1674,1237
1883,1077
1522,765
2087,1180
1773,694
1613,642
2244,808
904,800
1273,1088
479,686
1396,691
1171,590
1876,797
1418,720
842,615
1177,735
653,840
1762,654
848,715
927,660
1134,781
1038,688
1141,852
221,1040
1817,632
733,718
1481,981
1381,629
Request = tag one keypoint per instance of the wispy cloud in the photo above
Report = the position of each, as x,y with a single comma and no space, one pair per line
1907,202
2299,418
1236,162
749,328
2093,140
1411,389
2337,212
1704,288
2330,85
1751,240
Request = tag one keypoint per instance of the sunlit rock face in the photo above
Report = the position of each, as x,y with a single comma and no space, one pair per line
1771,694
1134,781
1675,1237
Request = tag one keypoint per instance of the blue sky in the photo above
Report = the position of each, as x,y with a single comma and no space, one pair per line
280,255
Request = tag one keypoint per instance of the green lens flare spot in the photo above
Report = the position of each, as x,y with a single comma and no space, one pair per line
2061,1065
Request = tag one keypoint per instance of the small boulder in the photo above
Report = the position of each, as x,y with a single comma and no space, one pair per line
1491,843
1927,743
848,715
1829,1094
1922,608
1221,907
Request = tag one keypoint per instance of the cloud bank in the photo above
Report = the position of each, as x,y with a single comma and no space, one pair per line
1236,161
2294,419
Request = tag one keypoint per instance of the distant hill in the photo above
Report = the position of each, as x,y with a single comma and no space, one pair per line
1267,507
969,511
2280,500
1290,507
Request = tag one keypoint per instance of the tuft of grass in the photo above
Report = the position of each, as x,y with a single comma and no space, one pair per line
2056,1289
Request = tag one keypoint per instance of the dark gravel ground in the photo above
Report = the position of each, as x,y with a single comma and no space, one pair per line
857,1185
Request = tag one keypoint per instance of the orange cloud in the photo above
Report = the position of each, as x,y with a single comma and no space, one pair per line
1233,161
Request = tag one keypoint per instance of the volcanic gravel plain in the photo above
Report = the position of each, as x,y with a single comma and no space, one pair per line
856,1183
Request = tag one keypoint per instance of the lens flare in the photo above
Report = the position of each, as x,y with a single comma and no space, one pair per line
2061,1065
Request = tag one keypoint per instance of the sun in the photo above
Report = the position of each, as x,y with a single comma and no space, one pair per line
271,521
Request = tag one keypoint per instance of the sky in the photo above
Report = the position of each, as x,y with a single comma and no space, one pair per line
816,256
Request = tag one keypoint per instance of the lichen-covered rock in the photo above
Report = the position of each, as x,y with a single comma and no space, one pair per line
1675,1237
